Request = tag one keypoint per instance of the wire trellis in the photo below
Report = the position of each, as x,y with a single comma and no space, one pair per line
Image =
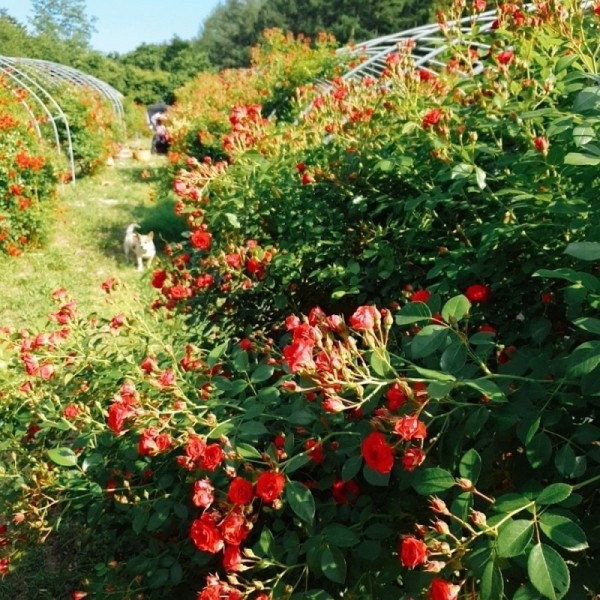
36,76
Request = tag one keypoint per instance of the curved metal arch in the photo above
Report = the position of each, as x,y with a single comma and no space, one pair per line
39,93
53,72
428,44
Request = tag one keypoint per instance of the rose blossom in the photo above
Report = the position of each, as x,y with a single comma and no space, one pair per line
212,458
203,495
240,491
410,428
442,590
478,293
378,454
412,458
269,486
205,534
365,318
413,552
234,529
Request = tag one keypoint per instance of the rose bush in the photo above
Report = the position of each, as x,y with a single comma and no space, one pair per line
340,458
371,370
28,177
442,177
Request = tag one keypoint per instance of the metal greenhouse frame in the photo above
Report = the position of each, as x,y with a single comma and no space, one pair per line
428,42
30,74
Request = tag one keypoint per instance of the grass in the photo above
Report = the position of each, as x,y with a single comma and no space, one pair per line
85,246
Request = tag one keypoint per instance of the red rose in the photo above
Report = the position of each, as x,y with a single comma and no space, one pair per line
442,590
365,318
195,447
413,552
204,494
478,293
201,239
213,457
205,534
314,450
158,278
299,355
541,144
118,412
234,529
433,117
412,458
420,296
505,58
410,428
269,486
396,396
71,411
378,454
240,491
344,492
232,558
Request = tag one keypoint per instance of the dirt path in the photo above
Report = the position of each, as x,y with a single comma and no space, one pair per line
85,244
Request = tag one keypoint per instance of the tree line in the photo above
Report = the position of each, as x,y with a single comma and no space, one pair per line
61,30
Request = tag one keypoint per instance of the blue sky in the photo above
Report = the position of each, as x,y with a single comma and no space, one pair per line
122,25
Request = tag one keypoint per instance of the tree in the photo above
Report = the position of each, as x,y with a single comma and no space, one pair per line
63,21
14,39
230,31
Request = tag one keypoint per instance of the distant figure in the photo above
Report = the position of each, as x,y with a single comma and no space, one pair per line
160,145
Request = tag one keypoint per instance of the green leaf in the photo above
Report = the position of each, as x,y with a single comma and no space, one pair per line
413,312
588,324
252,428
456,309
480,177
584,250
584,359
587,99
514,537
215,354
583,135
487,388
526,592
262,373
554,493
428,340
539,450
431,481
301,500
462,171
563,531
585,279
581,160
439,389
140,518
247,450
385,166
435,375
312,595
470,465
296,462
454,357
340,535
233,220
380,362
492,582
65,457
333,564
351,468
548,572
